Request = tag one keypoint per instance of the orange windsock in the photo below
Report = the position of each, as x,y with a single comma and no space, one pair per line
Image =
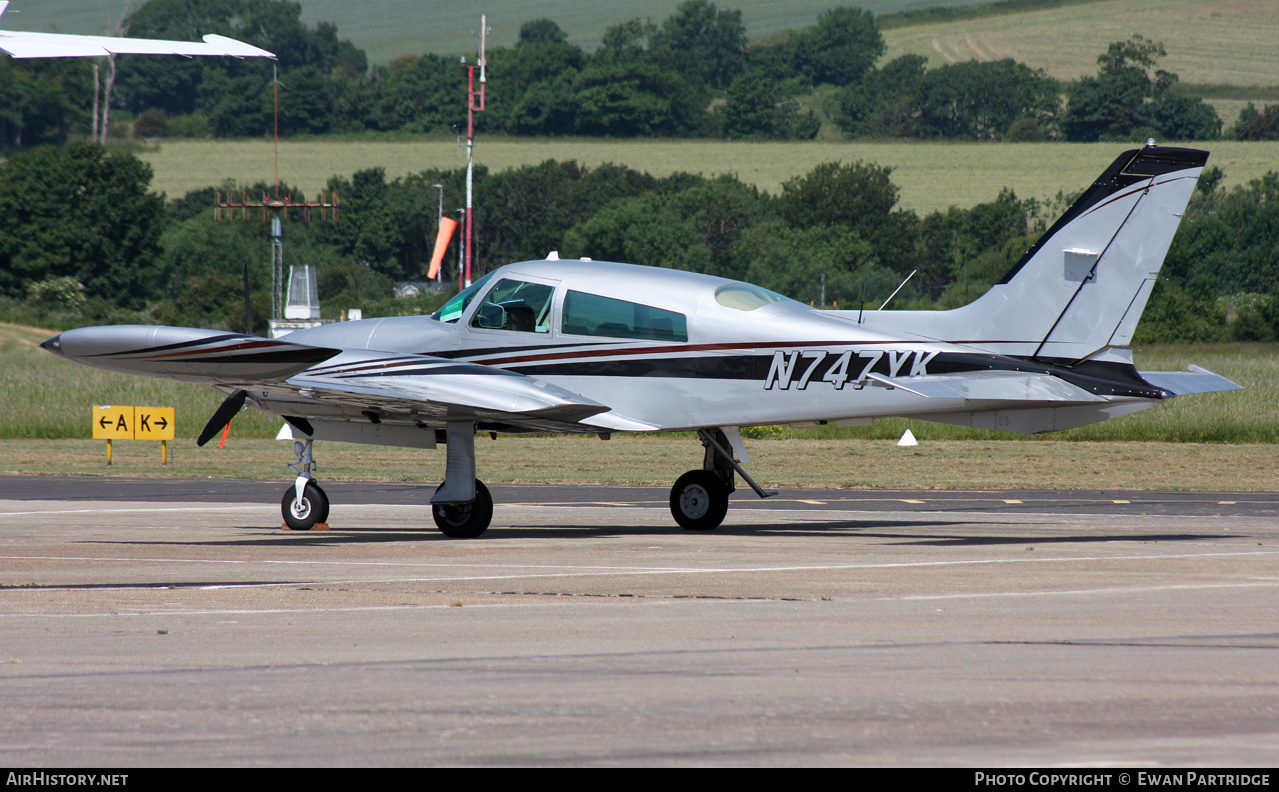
447,226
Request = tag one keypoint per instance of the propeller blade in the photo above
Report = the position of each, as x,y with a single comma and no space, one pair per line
223,416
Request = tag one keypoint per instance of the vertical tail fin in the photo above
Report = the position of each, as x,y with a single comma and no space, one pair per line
1082,287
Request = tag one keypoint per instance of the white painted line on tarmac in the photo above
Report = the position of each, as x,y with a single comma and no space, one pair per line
1085,592
210,508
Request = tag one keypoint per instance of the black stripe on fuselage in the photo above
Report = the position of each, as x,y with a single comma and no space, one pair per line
1103,379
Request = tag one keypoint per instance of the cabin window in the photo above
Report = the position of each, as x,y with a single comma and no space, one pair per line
592,315
745,297
454,308
515,305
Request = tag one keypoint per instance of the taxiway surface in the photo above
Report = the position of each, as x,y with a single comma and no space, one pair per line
163,623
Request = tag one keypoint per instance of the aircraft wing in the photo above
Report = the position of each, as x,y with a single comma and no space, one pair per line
326,384
421,388
61,45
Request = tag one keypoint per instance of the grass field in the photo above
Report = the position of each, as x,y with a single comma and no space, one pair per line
1226,42
931,176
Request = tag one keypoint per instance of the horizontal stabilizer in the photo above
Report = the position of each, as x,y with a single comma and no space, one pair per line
1197,380
990,386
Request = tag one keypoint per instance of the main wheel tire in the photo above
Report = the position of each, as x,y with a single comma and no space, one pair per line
699,501
314,507
465,520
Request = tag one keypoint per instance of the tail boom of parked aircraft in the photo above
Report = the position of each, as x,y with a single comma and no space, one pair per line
597,347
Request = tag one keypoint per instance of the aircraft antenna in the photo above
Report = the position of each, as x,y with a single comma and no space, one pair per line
899,288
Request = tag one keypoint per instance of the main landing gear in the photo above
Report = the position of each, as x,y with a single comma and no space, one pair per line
461,506
699,499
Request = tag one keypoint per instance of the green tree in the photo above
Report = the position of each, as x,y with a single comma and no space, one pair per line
42,101
702,43
635,100
80,213
541,31
840,48
418,94
756,106
885,103
980,101
1254,124
626,42
1124,102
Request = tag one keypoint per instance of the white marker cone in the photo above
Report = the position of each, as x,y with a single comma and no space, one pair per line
908,439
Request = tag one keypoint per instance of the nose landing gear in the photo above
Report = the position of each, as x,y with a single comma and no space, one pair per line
305,506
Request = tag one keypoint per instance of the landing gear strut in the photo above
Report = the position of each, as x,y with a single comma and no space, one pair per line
699,499
461,506
304,505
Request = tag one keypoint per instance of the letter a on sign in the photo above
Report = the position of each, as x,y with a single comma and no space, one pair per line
112,423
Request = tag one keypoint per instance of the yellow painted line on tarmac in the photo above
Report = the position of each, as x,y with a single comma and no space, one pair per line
1006,500
905,500
1120,501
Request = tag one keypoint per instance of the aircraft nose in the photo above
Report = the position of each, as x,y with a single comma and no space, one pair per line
54,345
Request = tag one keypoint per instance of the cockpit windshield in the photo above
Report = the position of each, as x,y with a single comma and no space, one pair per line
454,308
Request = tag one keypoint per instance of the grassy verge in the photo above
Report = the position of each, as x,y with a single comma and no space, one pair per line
659,460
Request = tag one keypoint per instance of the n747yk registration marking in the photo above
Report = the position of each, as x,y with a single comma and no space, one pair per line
798,367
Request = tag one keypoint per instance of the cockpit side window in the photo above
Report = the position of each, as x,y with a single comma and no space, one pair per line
454,308
515,305
593,315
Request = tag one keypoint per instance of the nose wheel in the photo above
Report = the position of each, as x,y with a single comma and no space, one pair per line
305,513
304,504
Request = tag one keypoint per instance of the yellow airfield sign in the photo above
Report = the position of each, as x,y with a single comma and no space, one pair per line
153,423
114,422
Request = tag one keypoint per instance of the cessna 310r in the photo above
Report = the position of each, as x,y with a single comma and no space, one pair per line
595,347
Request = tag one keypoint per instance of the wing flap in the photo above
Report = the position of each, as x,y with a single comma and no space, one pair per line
994,386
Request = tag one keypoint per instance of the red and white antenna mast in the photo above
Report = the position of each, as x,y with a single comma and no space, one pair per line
471,109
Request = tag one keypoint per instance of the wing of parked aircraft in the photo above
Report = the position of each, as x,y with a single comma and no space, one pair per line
599,347
20,44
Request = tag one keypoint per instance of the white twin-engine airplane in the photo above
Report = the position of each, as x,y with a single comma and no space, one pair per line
586,346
